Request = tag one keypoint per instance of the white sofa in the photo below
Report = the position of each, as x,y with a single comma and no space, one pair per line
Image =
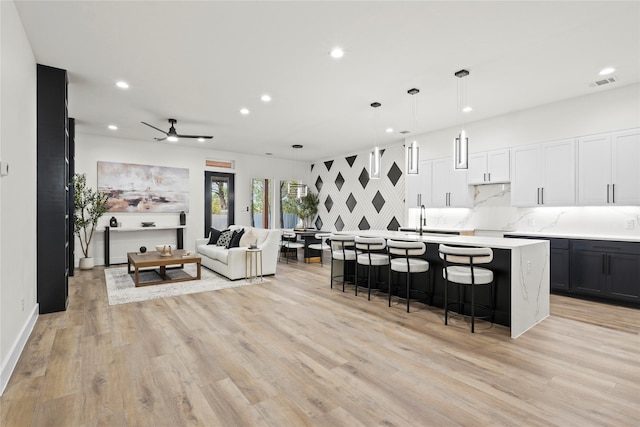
231,262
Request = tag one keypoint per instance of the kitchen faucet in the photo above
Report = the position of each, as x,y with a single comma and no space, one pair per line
423,218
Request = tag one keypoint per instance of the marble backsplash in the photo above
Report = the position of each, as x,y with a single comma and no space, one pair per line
493,214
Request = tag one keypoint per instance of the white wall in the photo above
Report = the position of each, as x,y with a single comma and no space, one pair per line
604,111
91,148
18,302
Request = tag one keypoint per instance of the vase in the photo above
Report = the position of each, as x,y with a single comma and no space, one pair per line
86,263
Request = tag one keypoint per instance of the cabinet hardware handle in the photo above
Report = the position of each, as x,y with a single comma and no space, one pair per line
538,202
542,196
607,193
604,264
489,176
484,177
613,193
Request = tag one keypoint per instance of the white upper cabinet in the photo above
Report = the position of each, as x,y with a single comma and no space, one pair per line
450,189
491,167
525,183
419,186
608,169
544,174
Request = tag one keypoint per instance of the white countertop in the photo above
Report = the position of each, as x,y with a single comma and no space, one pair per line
428,229
575,236
492,242
155,227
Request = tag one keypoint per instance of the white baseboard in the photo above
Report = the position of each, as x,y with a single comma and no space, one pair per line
16,351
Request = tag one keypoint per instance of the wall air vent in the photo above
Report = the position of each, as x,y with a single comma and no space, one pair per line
603,82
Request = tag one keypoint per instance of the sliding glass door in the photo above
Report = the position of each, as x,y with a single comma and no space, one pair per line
218,200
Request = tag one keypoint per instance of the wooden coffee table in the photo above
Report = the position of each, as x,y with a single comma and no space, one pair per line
154,259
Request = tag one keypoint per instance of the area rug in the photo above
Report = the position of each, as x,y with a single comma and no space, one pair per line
121,288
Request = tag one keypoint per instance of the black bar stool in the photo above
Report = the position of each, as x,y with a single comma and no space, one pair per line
342,249
288,244
370,258
321,246
460,267
406,262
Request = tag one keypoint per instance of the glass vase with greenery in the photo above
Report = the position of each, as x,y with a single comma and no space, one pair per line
308,208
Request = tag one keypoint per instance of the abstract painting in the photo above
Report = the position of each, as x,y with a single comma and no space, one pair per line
144,188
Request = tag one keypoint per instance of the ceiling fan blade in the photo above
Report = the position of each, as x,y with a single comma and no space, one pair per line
152,126
194,136
160,139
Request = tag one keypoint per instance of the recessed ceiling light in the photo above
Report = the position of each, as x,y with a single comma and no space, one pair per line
606,71
113,127
389,130
265,98
337,52
467,109
122,84
244,111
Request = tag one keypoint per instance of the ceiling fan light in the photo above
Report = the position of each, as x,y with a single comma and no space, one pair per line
172,138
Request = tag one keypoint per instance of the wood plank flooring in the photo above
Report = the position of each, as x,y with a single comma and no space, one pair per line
294,352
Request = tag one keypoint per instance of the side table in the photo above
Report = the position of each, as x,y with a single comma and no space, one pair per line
252,256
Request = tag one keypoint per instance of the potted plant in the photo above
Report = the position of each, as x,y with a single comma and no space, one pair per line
90,205
308,208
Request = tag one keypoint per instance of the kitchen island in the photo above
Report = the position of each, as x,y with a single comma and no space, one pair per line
521,271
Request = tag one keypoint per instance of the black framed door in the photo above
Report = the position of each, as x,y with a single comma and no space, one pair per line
219,209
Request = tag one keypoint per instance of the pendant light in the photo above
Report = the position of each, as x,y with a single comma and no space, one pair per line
461,143
296,189
413,155
374,156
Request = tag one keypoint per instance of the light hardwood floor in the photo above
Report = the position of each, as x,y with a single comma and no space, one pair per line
294,352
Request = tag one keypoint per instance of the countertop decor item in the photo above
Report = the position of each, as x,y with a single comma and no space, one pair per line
165,250
113,222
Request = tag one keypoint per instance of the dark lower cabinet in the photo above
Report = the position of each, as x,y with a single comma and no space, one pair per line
609,270
559,264
599,269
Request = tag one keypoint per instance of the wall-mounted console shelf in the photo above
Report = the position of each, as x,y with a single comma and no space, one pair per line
108,230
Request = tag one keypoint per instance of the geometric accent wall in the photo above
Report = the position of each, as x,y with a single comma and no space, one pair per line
350,201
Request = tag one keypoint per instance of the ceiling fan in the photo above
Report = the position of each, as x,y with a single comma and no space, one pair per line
172,135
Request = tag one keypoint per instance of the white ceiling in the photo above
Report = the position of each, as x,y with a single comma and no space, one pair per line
200,62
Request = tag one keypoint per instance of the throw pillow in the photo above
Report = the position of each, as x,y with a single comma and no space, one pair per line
214,235
249,238
225,238
235,239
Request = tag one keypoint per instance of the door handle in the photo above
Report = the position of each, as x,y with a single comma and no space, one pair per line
613,193
607,193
